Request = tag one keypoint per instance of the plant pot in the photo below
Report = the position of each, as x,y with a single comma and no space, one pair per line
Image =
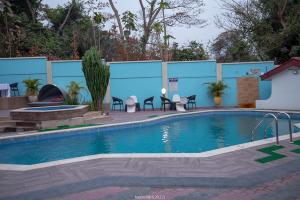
218,101
32,99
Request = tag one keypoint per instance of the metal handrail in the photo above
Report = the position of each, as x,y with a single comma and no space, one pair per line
276,126
290,124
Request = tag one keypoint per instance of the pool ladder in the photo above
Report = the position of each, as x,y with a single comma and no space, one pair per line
275,120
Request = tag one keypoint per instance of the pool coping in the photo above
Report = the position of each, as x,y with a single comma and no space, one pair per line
17,167
35,109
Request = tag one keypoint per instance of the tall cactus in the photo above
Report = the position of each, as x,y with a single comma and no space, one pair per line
96,76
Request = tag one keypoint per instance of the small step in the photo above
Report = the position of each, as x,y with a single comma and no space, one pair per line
25,123
5,129
7,123
24,128
16,129
4,118
17,126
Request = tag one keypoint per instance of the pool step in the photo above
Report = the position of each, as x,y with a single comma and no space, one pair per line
4,118
8,123
17,126
6,129
26,123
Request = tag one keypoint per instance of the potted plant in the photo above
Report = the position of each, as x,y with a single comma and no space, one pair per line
73,92
32,88
216,90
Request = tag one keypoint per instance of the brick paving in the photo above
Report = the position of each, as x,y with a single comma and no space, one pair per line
231,176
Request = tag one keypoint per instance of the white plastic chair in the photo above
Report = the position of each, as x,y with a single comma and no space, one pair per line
180,102
135,98
131,104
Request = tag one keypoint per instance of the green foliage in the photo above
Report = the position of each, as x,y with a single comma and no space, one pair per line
129,20
230,46
271,27
216,89
194,51
73,92
99,18
32,86
157,27
90,104
96,75
71,101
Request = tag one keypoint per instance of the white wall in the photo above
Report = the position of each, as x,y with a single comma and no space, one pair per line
285,92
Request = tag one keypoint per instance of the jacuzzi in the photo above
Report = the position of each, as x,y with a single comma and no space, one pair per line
48,112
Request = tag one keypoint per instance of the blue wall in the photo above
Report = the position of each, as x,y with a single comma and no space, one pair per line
232,71
192,79
63,72
142,79
18,69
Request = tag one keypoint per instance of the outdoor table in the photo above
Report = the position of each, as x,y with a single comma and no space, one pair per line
137,106
183,101
4,90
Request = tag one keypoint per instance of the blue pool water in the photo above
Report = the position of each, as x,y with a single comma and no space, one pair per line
188,134
48,108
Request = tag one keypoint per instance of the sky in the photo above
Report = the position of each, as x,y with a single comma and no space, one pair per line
182,34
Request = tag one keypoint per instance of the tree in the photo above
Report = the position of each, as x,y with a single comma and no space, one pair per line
186,12
99,20
96,75
230,46
271,26
193,51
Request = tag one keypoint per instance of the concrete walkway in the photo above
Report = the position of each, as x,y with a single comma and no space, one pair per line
228,176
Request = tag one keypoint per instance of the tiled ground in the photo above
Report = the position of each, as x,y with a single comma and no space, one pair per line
231,176
228,176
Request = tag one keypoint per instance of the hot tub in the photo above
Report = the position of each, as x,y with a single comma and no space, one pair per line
48,112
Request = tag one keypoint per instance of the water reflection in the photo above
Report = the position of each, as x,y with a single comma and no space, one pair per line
165,129
217,128
165,133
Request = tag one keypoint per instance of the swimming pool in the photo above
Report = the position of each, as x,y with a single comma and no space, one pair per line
181,134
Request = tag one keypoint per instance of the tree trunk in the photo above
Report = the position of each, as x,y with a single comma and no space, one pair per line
165,37
153,13
66,18
120,26
280,13
8,35
31,10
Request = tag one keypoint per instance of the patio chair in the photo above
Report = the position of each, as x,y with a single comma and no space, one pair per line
130,104
14,89
117,102
148,101
165,101
179,102
192,101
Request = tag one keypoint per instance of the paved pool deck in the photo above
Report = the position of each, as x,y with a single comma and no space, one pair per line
234,175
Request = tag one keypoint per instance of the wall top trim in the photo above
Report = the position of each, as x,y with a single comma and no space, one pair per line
22,58
137,61
64,61
237,63
191,61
